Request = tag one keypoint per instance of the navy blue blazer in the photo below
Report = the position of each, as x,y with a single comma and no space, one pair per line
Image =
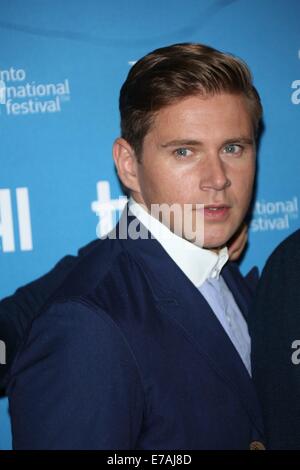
129,355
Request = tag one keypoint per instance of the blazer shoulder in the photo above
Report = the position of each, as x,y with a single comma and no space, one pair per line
285,254
99,260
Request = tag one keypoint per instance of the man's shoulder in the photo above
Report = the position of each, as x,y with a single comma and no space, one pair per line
92,267
289,246
285,256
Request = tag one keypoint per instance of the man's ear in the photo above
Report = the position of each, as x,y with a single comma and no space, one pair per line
126,164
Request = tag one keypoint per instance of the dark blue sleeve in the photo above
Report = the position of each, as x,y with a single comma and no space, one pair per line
18,310
75,383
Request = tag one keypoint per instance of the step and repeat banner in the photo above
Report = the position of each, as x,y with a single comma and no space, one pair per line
62,63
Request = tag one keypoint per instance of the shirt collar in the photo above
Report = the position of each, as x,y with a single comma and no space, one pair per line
198,264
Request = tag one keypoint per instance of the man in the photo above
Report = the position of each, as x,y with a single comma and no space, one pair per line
275,332
145,345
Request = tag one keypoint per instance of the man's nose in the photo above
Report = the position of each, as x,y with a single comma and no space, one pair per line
214,174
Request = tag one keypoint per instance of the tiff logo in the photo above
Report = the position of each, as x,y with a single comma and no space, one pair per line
7,232
106,208
2,352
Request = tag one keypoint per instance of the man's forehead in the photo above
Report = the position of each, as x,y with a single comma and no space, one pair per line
191,108
194,128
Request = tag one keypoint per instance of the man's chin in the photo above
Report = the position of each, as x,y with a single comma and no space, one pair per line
215,245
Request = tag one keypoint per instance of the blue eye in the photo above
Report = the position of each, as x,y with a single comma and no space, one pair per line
182,152
233,149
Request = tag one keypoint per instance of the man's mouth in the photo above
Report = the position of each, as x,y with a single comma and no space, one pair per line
216,212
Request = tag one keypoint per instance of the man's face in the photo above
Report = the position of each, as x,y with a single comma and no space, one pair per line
201,150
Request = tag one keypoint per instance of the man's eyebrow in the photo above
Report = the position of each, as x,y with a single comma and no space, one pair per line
239,140
175,143
182,142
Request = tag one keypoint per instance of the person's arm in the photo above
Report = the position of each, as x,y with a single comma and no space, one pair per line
75,383
18,310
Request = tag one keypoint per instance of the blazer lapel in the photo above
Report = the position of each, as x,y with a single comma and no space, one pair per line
192,312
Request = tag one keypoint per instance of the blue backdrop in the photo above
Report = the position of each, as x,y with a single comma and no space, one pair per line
61,67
